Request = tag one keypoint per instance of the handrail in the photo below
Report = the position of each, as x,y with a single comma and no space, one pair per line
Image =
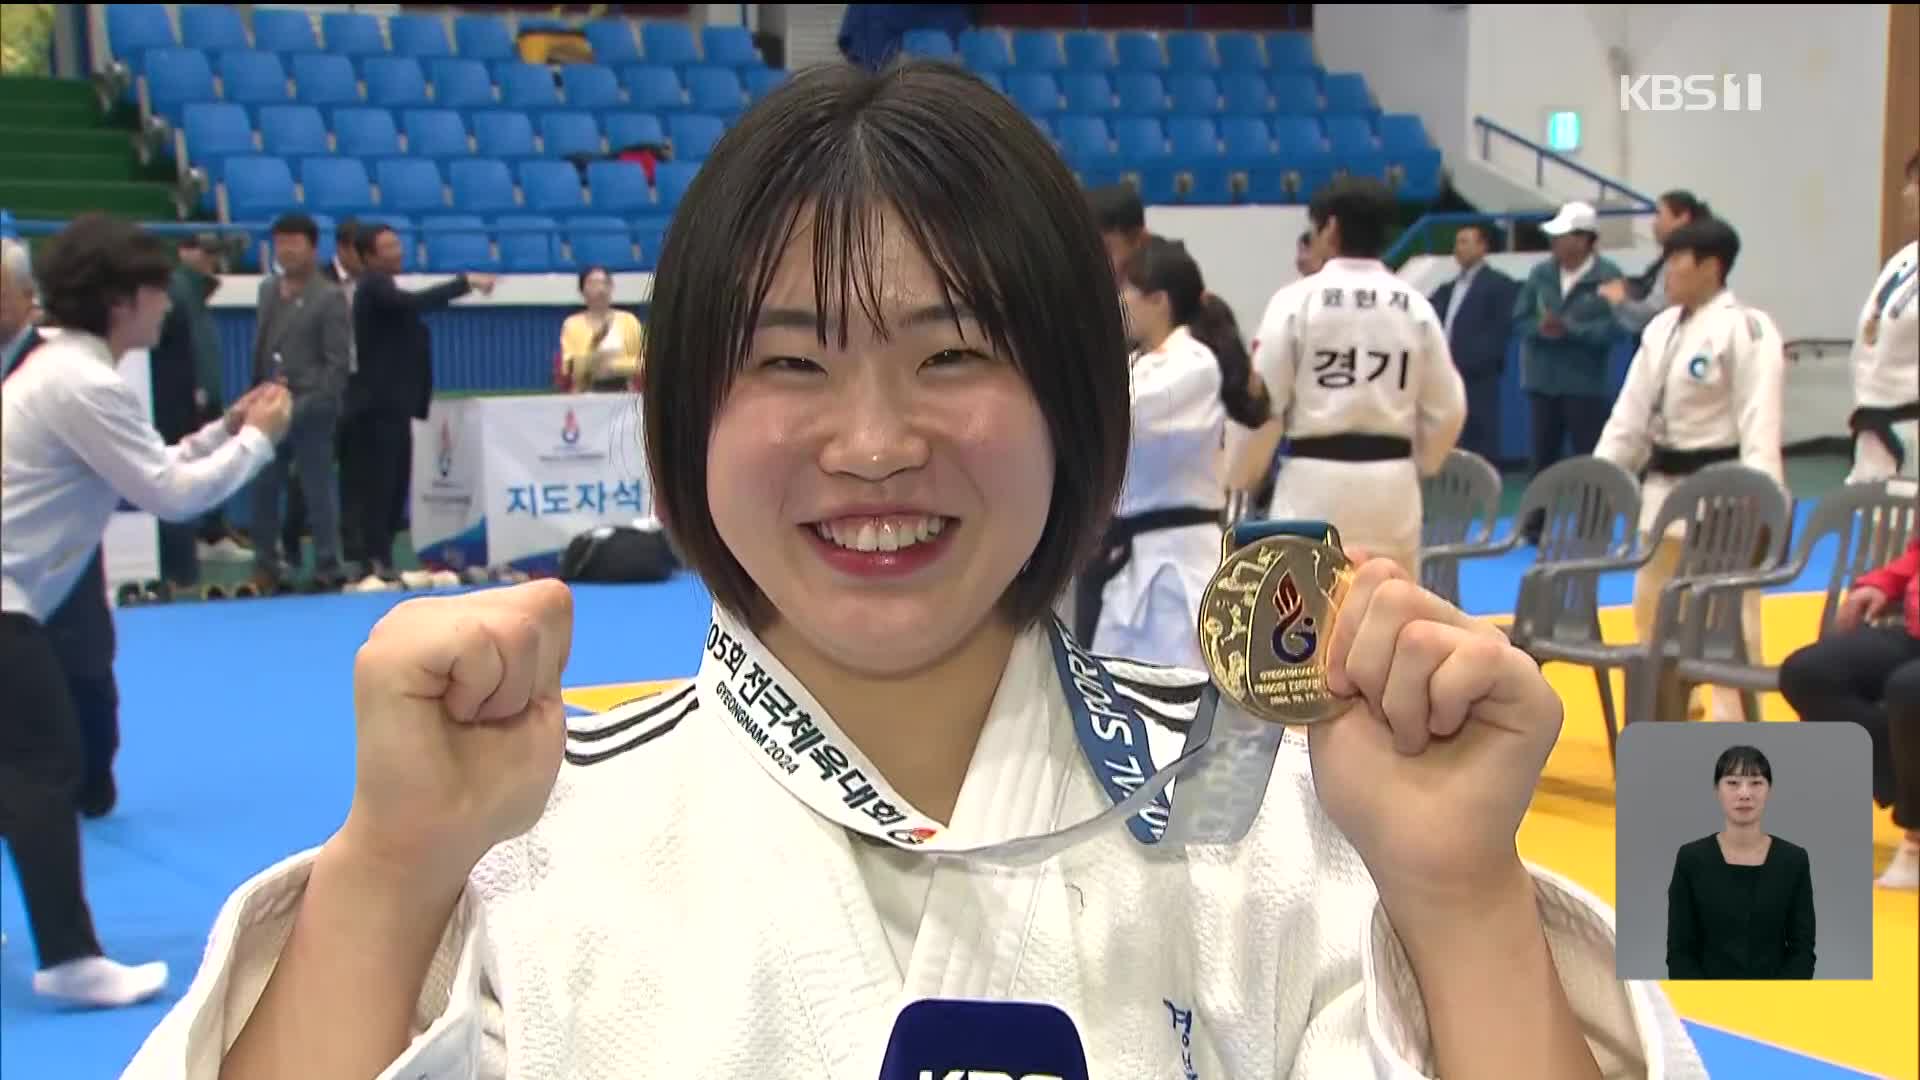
1542,156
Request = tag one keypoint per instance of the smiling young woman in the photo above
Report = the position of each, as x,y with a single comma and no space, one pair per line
887,419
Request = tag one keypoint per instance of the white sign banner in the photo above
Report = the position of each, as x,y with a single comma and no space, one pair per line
510,481
557,466
448,519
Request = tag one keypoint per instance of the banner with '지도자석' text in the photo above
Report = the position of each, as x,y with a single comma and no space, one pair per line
510,481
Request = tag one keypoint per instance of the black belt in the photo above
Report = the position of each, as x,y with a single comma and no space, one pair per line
1878,421
1670,462
1116,551
1352,448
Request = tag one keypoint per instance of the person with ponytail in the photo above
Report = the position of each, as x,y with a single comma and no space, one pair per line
1189,375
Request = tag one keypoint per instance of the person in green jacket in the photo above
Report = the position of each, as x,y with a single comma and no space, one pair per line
1566,330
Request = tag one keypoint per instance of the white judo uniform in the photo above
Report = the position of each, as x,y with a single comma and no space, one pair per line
1176,459
710,894
1364,385
1886,370
1702,388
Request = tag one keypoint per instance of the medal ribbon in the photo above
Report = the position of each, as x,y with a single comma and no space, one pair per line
798,744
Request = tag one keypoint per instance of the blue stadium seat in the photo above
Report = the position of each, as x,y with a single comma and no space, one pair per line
483,38
1191,51
457,242
1193,137
761,81
569,134
1194,94
436,133
1036,92
460,83
1239,50
527,87
1089,50
336,185
1305,162
985,49
1139,51
395,82
612,42
619,187
1245,92
176,77
216,131
1289,50
501,133
253,79
211,28
293,131
668,43
671,180
649,235
1139,138
1087,91
287,31
602,241
1296,136
927,41
1294,92
365,133
325,81
528,244
1038,50
552,187
419,36
993,79
1400,132
1413,162
1141,92
134,29
729,46
1084,139
352,33
1247,138
259,188
626,129
409,185
715,90
653,88
404,228
481,186
1346,92
590,87
693,135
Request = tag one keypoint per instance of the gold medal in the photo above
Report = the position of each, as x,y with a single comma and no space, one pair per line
1265,620
1870,333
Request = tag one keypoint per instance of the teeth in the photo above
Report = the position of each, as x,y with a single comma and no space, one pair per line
880,534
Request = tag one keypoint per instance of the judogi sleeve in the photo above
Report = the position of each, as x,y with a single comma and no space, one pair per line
1442,408
1759,378
1276,350
1626,440
458,1028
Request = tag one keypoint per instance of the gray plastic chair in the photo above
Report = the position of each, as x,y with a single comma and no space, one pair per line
1870,525
1735,518
1460,506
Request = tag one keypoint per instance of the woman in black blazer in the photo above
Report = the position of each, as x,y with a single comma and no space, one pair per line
1741,902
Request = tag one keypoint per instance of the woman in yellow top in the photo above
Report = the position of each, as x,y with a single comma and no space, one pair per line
601,349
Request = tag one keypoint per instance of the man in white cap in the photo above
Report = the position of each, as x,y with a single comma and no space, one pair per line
1566,329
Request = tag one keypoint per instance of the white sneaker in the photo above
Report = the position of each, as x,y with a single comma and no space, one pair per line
222,550
98,982
417,579
446,579
370,583
1903,872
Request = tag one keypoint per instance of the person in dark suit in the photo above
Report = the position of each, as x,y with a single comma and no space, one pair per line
1740,905
303,340
343,270
391,386
1476,308
184,369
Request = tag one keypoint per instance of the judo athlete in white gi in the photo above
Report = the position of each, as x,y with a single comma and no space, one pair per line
1362,383
1188,376
1704,387
896,422
1886,360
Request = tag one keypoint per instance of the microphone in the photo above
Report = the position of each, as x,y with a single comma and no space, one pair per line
983,1040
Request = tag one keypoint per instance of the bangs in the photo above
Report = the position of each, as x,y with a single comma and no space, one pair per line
843,206
1742,761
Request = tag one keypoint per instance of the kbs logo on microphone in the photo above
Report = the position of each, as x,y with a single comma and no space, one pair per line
1690,93
983,1074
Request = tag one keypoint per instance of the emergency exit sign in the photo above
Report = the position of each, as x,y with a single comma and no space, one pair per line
1563,131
